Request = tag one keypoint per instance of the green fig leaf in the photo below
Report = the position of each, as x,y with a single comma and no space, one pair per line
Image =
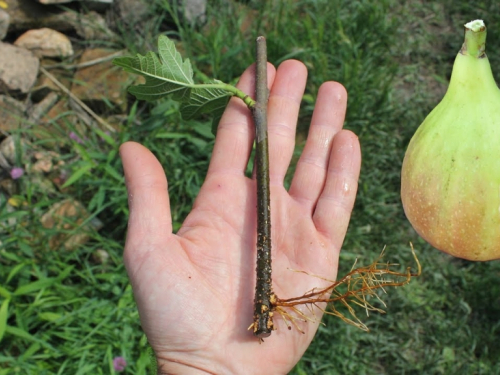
168,74
165,75
205,100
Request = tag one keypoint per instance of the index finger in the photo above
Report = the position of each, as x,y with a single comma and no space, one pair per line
236,132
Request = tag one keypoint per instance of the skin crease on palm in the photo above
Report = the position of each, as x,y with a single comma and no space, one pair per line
195,289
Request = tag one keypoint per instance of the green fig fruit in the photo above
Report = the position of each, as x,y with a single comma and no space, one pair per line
450,181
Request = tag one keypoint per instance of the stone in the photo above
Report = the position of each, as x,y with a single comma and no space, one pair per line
44,85
8,149
11,114
4,163
45,42
99,5
101,84
46,162
30,14
9,186
42,166
70,1
43,184
100,256
92,26
38,110
4,23
132,11
12,147
194,11
18,69
54,1
63,217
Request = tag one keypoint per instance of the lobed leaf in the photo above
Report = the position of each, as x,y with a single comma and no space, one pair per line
168,74
165,75
206,100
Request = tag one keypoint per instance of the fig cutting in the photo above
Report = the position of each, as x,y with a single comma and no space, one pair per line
450,181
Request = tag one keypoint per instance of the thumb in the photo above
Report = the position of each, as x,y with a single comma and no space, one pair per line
150,222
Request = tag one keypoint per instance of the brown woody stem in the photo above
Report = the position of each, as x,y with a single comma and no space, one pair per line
263,322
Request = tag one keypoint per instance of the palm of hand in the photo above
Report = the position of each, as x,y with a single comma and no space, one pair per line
195,289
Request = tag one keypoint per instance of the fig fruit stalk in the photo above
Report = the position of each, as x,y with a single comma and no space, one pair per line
450,182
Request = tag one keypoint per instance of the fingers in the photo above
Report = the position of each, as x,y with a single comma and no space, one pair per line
336,201
327,120
282,113
149,204
236,132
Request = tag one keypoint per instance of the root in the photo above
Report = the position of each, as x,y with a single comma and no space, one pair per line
354,289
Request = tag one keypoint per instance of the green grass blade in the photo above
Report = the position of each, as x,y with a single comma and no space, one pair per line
5,293
4,313
33,348
13,272
35,286
80,172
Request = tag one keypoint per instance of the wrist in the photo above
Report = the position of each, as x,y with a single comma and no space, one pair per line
175,367
171,368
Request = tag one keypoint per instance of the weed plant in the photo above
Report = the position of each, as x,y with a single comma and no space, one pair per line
67,312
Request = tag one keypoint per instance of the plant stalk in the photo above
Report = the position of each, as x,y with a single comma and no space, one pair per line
263,322
475,39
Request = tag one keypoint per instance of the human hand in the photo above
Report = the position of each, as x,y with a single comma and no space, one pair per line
195,289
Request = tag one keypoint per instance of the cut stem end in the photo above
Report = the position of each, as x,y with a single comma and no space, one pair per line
475,39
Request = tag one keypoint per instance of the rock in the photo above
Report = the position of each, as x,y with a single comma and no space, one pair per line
194,11
41,108
132,11
11,113
45,42
44,85
54,1
101,84
29,14
42,166
11,148
92,26
43,184
8,149
9,186
64,216
70,1
18,68
100,256
4,164
4,23
99,5
46,162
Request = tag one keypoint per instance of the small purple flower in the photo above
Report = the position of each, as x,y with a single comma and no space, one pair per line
119,364
75,137
16,172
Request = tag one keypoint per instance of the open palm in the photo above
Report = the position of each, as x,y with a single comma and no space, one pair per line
194,289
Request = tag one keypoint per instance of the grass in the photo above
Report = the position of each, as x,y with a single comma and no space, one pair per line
70,312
